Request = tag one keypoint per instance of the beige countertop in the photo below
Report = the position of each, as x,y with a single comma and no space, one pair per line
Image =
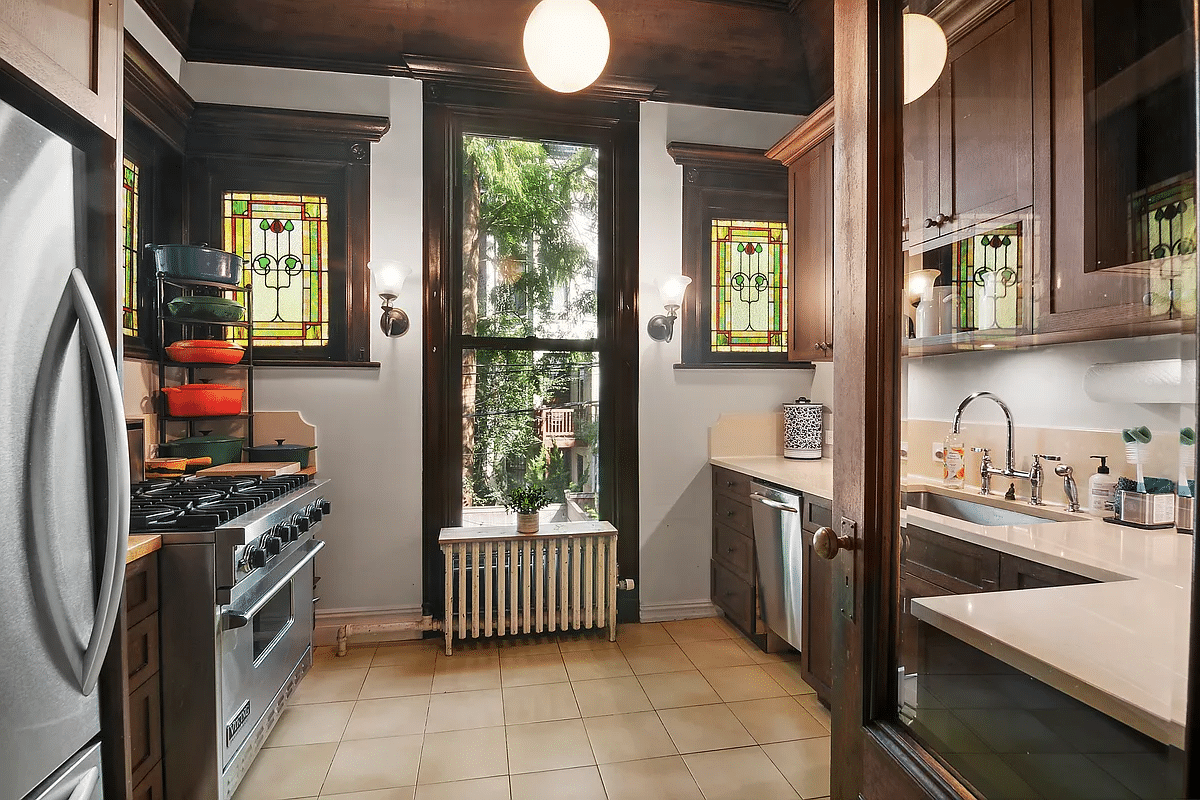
141,545
1119,645
807,477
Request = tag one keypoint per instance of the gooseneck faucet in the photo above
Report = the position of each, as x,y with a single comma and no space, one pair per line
1035,475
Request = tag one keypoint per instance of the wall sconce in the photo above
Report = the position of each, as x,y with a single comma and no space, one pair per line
925,52
389,279
671,289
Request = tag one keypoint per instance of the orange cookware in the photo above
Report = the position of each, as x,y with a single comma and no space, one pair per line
203,400
211,351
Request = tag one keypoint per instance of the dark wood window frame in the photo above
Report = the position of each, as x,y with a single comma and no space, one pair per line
157,111
722,183
238,148
612,125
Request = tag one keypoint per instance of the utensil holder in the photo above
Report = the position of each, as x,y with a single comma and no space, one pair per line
1185,513
1146,510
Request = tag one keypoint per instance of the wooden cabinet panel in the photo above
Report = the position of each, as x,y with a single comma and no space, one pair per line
817,513
811,244
957,566
141,589
816,651
142,649
1020,573
152,787
734,550
911,588
922,167
69,49
145,730
734,513
734,596
987,120
733,484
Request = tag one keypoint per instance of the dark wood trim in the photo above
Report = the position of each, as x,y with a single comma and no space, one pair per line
720,183
927,778
168,23
527,343
613,127
154,97
493,77
301,363
1191,750
735,365
959,16
804,136
237,147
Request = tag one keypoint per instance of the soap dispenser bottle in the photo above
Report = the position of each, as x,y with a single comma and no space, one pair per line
954,461
1102,488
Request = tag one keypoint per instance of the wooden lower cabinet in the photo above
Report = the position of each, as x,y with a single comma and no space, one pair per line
734,567
131,695
816,652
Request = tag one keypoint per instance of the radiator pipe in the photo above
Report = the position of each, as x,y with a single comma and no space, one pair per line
426,623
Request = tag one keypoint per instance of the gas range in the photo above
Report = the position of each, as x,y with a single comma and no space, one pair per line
250,520
236,572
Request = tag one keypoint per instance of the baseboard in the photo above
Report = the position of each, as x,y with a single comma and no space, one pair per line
328,622
686,609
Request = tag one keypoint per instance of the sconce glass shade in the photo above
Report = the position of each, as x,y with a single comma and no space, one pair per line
918,281
925,52
389,276
672,288
566,44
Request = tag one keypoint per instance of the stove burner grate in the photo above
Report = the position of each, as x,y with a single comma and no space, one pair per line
202,504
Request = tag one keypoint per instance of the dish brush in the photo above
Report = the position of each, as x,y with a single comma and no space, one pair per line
1136,440
1187,441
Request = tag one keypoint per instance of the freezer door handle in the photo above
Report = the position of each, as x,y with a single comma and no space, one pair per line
86,788
77,307
766,501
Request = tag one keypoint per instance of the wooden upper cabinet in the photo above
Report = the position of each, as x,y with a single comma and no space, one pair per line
70,50
1124,164
968,154
808,153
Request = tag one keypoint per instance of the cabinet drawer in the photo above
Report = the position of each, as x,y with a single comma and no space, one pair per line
151,788
142,651
734,550
145,730
817,514
734,596
736,514
141,589
957,566
734,484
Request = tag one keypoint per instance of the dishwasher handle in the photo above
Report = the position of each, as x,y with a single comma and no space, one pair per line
766,501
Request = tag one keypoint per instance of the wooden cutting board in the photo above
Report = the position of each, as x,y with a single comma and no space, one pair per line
261,469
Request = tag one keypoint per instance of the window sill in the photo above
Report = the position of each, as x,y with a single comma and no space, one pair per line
751,365
297,363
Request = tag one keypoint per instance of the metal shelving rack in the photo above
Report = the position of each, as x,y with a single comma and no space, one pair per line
191,327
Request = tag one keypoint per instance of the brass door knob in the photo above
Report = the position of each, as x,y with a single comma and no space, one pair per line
828,544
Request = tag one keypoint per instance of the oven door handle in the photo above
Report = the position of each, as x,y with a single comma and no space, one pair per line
240,619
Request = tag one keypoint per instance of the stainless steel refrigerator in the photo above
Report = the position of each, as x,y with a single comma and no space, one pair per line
63,522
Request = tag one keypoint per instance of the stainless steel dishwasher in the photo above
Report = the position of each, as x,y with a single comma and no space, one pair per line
780,548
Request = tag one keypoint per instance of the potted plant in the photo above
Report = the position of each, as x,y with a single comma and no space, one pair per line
526,501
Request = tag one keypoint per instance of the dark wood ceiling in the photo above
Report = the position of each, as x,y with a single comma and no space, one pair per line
763,55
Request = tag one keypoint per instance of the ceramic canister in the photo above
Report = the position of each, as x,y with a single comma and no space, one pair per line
803,429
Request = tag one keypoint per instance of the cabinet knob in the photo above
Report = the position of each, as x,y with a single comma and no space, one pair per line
828,544
729,513
930,222
942,219
731,484
818,346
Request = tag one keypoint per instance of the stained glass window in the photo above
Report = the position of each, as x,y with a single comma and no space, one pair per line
130,247
749,287
284,240
988,271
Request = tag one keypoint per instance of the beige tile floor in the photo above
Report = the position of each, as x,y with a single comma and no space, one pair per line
686,710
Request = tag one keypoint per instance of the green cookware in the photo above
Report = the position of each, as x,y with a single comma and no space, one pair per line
281,452
215,309
221,449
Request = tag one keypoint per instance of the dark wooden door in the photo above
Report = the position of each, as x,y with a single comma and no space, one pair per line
816,653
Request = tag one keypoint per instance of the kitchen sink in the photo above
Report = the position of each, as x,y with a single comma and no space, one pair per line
967,511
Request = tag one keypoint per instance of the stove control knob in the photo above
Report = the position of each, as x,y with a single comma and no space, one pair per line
255,556
314,511
303,524
288,532
271,544
325,505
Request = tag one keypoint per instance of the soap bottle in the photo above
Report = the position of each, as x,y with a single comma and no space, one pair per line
1102,488
954,462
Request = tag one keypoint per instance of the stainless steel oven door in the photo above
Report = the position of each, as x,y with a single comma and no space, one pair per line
264,634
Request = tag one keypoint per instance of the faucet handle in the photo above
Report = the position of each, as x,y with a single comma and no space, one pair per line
1048,458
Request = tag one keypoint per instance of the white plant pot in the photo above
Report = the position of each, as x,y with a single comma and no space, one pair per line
527,523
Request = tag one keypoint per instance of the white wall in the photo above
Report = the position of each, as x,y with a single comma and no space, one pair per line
678,406
369,422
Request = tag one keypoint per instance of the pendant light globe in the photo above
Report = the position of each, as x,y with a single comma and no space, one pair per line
566,44
925,53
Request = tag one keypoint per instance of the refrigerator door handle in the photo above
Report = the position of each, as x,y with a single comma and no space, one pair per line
77,306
